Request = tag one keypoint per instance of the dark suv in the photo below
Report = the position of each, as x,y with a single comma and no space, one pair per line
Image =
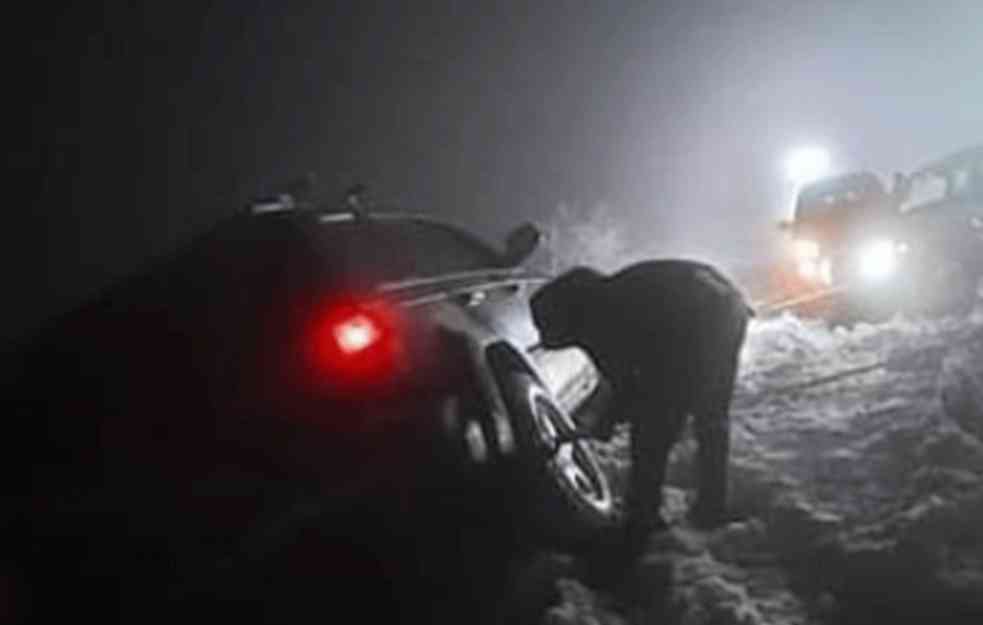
942,218
844,243
181,423
859,250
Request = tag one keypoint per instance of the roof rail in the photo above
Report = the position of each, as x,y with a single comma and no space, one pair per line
276,204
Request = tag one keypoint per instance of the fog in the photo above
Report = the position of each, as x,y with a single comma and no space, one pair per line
144,125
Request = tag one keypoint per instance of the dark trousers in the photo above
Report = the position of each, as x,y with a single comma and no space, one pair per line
656,422
701,388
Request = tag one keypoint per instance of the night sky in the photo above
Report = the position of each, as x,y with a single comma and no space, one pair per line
144,125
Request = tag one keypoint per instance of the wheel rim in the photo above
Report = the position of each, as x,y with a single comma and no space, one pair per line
571,460
550,424
580,474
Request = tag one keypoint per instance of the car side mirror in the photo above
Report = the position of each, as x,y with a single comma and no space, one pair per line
521,243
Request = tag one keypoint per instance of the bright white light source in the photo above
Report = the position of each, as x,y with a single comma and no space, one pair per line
826,271
355,334
806,249
878,260
809,269
806,164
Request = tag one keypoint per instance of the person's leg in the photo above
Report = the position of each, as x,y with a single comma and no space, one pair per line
712,424
713,451
656,423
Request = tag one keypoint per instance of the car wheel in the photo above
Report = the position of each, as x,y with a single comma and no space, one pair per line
570,496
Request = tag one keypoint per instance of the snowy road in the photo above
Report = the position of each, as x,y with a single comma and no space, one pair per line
858,463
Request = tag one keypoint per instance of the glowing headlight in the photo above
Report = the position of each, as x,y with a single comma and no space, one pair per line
808,269
805,249
826,271
878,260
816,270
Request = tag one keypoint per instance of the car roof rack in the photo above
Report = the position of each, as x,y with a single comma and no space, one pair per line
354,207
277,204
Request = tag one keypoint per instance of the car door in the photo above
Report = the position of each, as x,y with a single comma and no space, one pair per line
569,374
461,271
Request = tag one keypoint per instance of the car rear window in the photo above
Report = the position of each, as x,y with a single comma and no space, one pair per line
838,197
388,250
926,189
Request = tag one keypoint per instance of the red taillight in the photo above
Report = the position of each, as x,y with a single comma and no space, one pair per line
356,342
357,333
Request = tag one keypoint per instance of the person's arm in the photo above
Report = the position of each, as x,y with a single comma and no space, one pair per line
600,412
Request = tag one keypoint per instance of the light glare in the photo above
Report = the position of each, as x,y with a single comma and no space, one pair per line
826,271
806,249
806,164
808,269
878,260
355,334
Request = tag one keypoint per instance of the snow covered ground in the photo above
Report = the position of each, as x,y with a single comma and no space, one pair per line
857,462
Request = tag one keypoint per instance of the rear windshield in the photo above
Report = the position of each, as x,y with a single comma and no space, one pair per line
389,250
847,197
925,189
959,183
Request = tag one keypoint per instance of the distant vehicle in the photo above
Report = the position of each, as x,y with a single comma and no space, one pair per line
359,354
942,218
859,250
844,244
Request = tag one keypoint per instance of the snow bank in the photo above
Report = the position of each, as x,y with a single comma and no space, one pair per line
875,434
857,458
579,605
689,578
961,384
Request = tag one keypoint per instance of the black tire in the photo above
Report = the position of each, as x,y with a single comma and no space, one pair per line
563,487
